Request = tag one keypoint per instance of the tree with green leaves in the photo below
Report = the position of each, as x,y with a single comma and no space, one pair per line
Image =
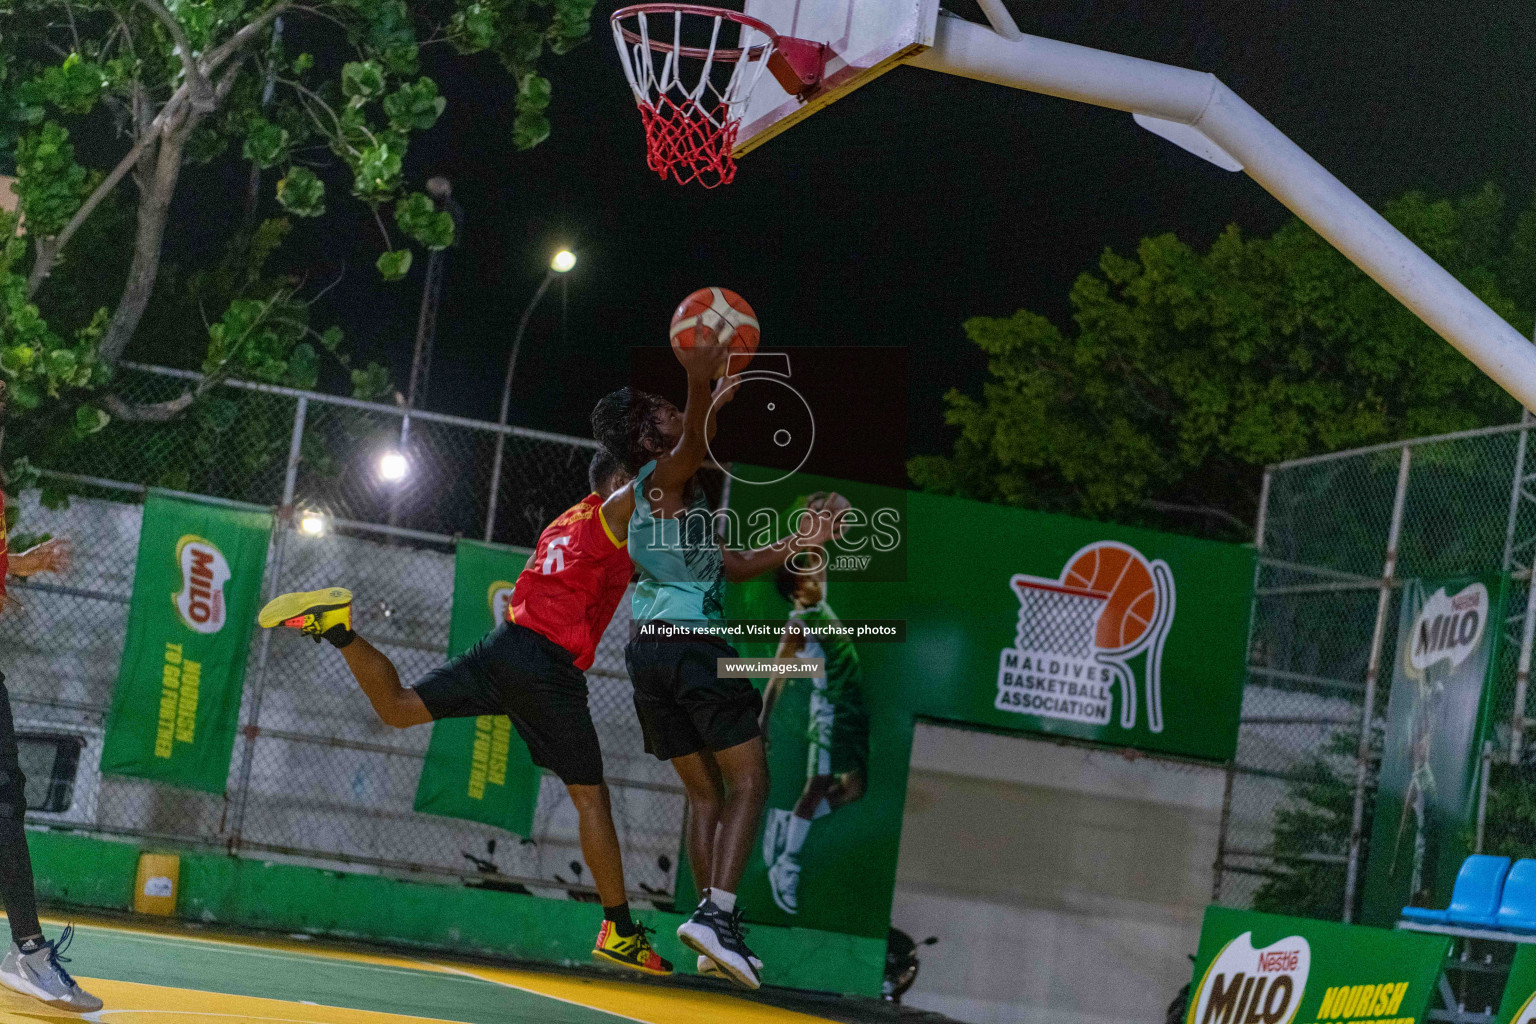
150,87
1184,372
1312,829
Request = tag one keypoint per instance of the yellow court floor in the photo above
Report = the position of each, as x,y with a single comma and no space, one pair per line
149,975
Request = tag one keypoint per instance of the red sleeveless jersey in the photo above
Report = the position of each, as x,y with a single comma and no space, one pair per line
571,585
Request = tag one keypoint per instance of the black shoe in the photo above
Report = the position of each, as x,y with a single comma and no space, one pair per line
712,932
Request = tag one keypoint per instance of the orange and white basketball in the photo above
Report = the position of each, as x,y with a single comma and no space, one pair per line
1121,573
727,314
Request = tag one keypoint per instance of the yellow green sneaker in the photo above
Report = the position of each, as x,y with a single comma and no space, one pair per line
316,613
634,951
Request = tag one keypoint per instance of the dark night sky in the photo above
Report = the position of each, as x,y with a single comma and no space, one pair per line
923,199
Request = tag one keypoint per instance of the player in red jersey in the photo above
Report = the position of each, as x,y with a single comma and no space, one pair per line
530,669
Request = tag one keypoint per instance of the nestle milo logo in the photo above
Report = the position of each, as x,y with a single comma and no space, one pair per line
1244,985
204,571
1449,628
499,597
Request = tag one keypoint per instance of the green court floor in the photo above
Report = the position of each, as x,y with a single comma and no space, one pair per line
151,975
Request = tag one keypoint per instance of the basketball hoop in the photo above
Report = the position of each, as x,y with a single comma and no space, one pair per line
692,69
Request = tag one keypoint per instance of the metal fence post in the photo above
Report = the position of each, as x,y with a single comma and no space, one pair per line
1517,495
490,513
1523,675
1219,868
1372,670
274,581
1482,795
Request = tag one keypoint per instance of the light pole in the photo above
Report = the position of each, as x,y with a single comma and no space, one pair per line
441,191
562,263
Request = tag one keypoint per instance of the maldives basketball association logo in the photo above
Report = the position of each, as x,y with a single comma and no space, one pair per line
1079,633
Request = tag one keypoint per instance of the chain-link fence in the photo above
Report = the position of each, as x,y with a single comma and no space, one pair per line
1337,536
315,776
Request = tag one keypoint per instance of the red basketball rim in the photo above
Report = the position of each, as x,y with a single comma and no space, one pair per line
703,10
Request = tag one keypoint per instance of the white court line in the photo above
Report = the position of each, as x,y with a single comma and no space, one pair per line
536,992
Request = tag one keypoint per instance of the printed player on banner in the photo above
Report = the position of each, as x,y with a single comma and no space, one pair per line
1078,634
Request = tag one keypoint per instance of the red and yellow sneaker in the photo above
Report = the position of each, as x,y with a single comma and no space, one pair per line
317,613
633,952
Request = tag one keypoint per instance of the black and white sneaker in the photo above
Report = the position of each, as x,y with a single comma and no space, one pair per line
712,932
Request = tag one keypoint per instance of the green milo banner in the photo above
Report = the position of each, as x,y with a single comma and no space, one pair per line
1014,620
1519,1003
1266,969
1437,719
196,590
478,768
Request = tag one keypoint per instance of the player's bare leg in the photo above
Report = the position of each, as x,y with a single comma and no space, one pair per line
327,615
600,841
720,835
376,676
622,940
822,795
744,768
700,775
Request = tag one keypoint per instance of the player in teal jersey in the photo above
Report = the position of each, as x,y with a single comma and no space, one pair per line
837,732
704,721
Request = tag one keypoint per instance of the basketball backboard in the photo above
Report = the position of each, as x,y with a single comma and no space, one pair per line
866,38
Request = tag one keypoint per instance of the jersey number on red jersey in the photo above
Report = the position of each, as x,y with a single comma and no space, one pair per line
554,556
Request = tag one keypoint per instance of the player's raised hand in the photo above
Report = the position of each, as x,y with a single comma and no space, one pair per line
828,515
706,358
726,389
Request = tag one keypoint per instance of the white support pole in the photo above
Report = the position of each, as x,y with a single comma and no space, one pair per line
1001,19
1372,673
1201,101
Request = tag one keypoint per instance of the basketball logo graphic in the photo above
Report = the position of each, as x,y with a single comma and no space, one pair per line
1078,633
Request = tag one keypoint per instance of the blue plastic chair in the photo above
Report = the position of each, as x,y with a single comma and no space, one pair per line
1475,898
1517,907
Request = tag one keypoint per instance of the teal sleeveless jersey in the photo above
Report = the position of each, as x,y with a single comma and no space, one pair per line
682,573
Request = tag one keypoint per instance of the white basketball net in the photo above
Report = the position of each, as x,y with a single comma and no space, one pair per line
691,85
1058,621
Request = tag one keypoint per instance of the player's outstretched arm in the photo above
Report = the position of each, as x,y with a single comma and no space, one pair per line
702,363
813,530
50,556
